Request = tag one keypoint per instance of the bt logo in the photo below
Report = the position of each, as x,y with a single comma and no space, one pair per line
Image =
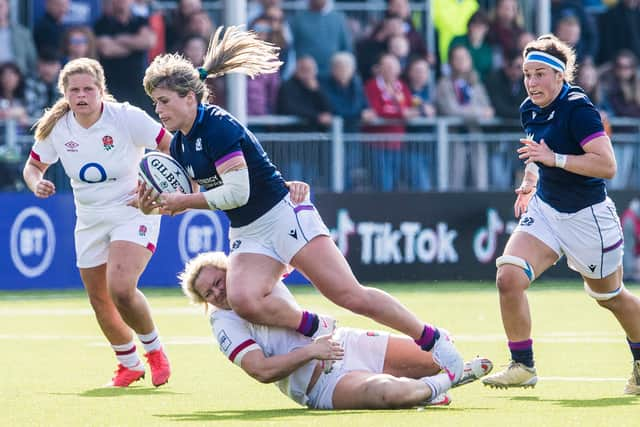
200,231
33,242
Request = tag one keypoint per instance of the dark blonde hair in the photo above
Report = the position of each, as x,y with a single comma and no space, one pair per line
192,270
237,51
550,44
91,67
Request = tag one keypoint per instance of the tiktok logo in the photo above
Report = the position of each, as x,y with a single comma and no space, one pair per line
485,240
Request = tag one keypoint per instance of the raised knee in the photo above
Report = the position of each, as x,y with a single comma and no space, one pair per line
511,279
514,274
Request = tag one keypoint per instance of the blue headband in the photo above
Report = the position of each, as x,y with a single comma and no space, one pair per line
546,59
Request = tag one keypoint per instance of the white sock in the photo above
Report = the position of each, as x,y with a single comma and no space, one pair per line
437,383
128,356
150,341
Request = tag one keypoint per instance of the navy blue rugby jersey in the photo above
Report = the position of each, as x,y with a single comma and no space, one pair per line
215,137
566,125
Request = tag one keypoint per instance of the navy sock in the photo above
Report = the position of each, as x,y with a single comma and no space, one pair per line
308,324
428,338
522,352
635,349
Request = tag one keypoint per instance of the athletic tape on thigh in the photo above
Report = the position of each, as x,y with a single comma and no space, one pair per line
518,262
604,296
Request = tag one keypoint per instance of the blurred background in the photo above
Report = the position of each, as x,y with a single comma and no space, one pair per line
402,115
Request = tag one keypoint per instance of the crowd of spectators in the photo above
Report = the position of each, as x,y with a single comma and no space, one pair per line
341,65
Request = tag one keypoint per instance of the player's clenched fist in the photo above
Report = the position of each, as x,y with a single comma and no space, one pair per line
44,188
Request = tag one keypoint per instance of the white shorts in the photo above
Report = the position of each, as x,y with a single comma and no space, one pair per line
96,230
280,233
364,351
591,238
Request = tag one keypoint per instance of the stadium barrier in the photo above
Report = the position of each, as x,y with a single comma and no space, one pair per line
433,154
386,237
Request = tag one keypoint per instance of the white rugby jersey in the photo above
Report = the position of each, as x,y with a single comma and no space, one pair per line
236,337
102,161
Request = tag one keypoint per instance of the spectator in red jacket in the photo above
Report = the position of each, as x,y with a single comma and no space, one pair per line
390,98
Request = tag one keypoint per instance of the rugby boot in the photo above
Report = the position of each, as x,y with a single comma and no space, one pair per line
159,364
515,375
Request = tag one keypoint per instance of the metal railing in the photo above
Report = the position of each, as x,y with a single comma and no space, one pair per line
434,154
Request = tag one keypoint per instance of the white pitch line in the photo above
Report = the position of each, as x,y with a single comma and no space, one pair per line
583,379
178,340
60,312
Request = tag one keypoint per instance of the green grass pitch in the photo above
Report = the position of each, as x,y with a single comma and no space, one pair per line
53,361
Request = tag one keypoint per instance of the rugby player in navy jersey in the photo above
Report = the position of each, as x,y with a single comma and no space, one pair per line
267,231
563,209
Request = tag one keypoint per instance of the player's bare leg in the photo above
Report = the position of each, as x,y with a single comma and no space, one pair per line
625,306
126,262
113,327
323,264
364,390
512,282
119,335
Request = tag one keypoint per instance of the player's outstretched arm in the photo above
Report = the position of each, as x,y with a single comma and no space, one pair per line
274,368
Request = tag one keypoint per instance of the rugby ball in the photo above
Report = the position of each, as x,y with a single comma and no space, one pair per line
163,173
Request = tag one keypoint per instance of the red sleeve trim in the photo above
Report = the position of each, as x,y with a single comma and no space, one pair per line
239,348
160,135
35,156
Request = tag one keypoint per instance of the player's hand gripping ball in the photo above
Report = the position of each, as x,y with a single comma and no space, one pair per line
163,173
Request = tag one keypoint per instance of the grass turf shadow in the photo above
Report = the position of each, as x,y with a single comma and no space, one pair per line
603,402
274,414
123,391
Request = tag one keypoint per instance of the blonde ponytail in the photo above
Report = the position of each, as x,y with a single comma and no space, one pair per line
239,51
236,51
45,124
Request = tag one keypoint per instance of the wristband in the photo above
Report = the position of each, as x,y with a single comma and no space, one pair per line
561,160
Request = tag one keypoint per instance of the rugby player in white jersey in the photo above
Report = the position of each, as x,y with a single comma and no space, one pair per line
370,369
100,143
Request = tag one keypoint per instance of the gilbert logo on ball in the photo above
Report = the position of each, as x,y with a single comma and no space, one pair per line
163,173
